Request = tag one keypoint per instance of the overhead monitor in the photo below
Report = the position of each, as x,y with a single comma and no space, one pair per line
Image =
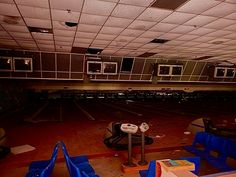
5,63
94,67
127,64
110,68
22,64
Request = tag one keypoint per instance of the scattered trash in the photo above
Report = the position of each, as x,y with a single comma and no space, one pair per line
187,133
22,149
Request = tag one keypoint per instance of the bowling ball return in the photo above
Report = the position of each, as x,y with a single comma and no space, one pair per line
115,138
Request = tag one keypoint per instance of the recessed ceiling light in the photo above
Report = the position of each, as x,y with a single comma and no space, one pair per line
39,30
71,24
159,41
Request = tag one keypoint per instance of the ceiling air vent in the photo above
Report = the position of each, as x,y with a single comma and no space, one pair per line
71,24
168,4
95,51
81,50
159,41
147,54
39,30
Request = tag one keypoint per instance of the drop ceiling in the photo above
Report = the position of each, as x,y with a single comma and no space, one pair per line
193,29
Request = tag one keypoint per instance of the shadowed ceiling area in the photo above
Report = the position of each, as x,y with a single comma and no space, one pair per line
191,29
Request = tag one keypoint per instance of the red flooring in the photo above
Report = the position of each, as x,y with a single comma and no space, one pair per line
84,136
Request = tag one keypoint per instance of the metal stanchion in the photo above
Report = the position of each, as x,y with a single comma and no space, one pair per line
143,128
130,129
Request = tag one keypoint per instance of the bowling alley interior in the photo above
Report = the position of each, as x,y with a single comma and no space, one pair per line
117,88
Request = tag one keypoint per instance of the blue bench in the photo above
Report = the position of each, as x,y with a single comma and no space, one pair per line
224,147
78,166
151,171
43,168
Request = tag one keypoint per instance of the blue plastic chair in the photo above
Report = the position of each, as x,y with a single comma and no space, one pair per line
201,138
43,168
77,165
196,161
151,171
44,163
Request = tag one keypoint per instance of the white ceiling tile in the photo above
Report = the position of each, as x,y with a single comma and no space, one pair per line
189,44
131,32
89,28
175,42
48,42
231,16
63,33
118,22
100,42
26,45
141,25
122,52
79,44
9,9
14,20
142,40
231,36
4,35
215,41
83,40
8,43
86,35
110,0
20,35
187,37
98,7
63,15
108,52
178,18
145,3
117,44
111,30
149,46
197,7
124,38
201,31
92,19
42,36
105,37
34,12
203,39
154,14
221,10
7,1
182,29
163,27
170,36
127,11
151,34
218,33
61,48
44,47
200,20
231,1
15,28
220,23
62,26
63,38
63,43
38,23
73,5
231,28
133,45
34,3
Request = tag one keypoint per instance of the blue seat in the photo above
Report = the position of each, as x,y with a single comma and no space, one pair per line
77,165
229,152
151,171
43,163
201,138
43,168
196,161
